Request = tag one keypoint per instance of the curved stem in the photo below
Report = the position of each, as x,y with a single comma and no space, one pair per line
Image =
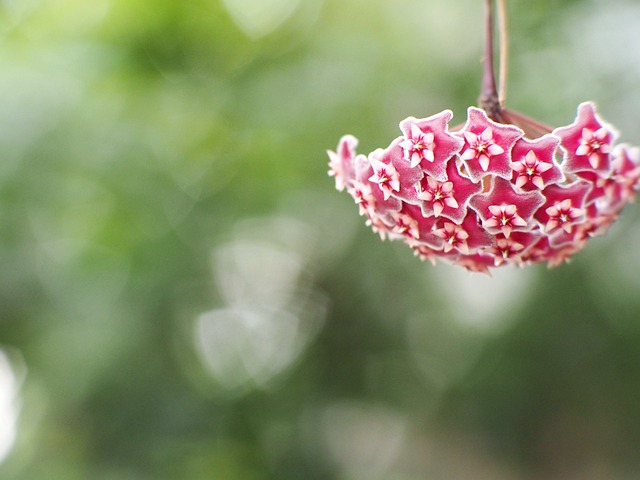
504,51
489,99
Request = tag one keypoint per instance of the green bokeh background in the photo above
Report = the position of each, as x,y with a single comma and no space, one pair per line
163,171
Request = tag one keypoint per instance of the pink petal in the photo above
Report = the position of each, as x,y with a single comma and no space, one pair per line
537,181
447,187
469,154
471,137
484,162
495,210
523,180
450,202
407,144
492,222
486,135
510,210
530,158
543,167
495,150
518,166
428,155
415,131
518,221
583,149
565,204
551,225
575,213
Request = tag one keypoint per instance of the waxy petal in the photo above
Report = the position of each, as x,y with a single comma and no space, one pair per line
454,194
587,142
341,162
534,164
428,143
563,207
503,206
408,178
487,145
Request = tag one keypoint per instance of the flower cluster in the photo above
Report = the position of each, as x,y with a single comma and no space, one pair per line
485,195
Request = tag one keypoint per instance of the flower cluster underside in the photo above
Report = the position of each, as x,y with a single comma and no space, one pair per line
486,196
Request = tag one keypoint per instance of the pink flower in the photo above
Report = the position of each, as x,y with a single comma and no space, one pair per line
563,208
379,211
487,145
563,214
503,209
486,196
393,174
587,142
447,198
507,250
386,176
421,231
341,162
454,236
428,143
533,163
467,237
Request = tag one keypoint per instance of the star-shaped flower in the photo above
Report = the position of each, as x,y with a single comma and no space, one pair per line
602,193
488,145
477,262
428,143
466,238
563,207
361,193
533,163
563,214
341,162
593,145
448,198
595,224
425,253
380,211
626,176
538,252
416,229
587,142
386,176
511,249
407,226
503,210
504,217
542,251
611,193
394,175
454,236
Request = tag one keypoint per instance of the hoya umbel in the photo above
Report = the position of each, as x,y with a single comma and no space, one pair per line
502,189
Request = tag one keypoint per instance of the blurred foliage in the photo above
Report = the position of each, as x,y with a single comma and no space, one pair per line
184,296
